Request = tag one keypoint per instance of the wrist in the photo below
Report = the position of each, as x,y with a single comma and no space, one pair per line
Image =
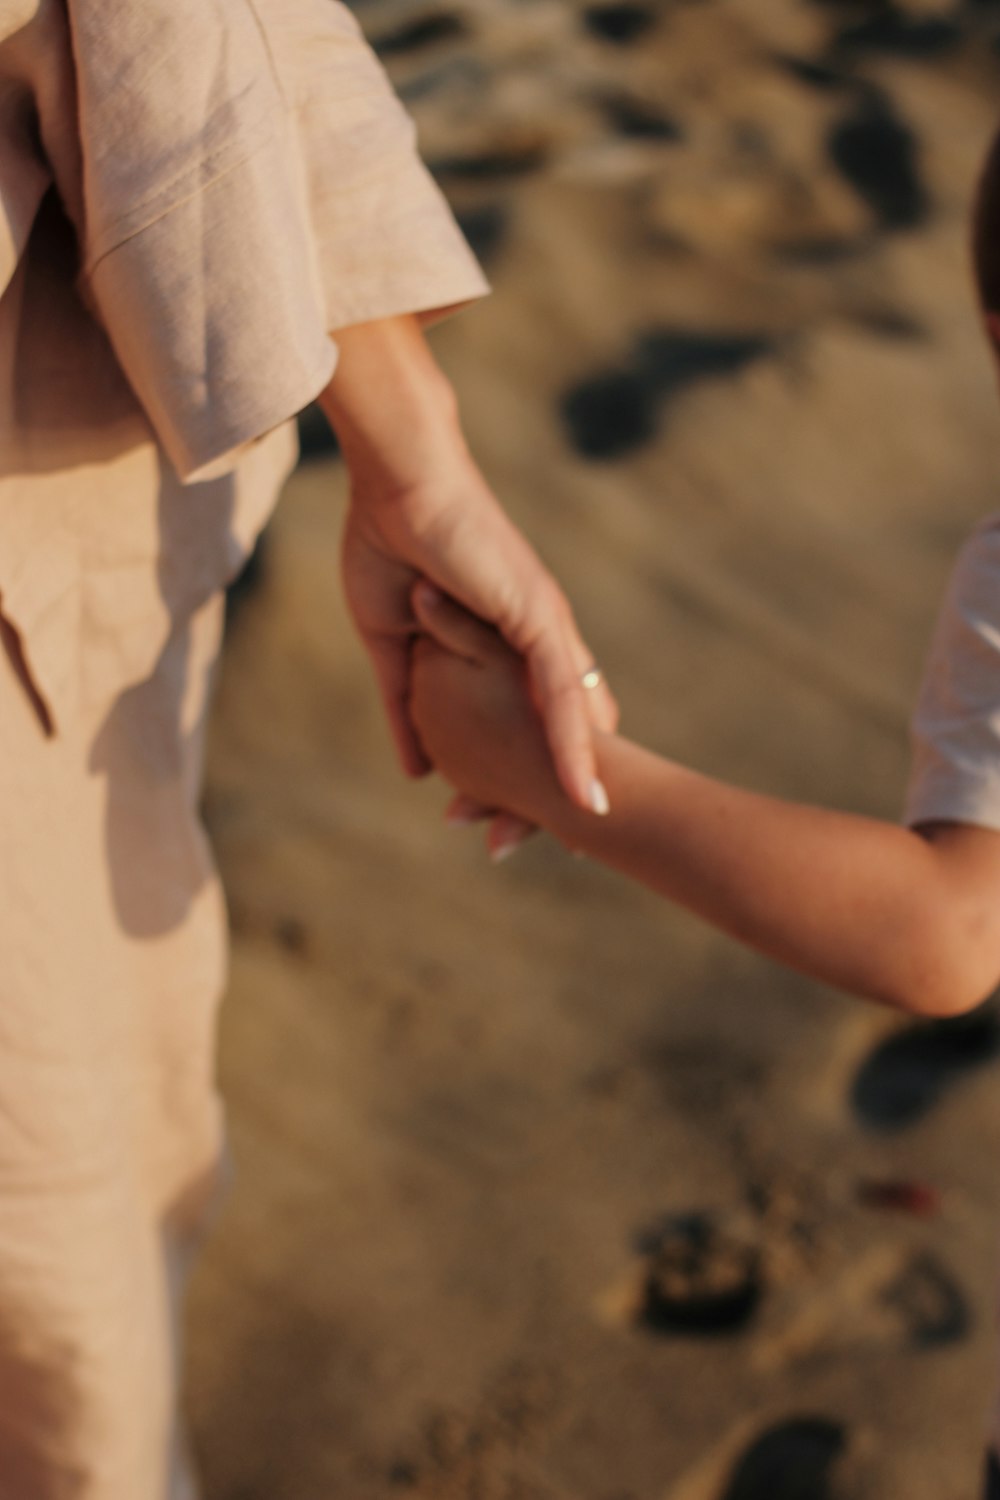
573,826
394,411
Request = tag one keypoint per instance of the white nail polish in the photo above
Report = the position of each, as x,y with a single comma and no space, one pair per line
599,798
461,820
502,852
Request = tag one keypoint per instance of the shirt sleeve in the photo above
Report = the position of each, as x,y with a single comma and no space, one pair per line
195,251
955,730
234,210
386,239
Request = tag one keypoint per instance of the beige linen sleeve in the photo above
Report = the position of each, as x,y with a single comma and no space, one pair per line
955,775
386,239
244,180
196,255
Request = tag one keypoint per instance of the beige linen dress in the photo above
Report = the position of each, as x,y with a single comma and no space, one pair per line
193,195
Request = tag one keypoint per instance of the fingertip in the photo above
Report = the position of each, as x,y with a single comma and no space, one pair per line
462,812
506,834
415,768
600,802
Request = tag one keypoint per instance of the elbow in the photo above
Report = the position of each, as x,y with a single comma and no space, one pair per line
955,994
951,965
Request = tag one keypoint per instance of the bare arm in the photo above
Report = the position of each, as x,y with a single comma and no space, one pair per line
908,918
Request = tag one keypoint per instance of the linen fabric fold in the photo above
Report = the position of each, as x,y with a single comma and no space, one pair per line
194,196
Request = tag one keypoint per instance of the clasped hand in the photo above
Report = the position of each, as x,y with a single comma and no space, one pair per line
421,509
455,535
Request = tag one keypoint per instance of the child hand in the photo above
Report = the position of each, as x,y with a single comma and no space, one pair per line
473,711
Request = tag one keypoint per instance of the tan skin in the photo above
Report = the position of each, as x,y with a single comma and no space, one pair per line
908,918
420,507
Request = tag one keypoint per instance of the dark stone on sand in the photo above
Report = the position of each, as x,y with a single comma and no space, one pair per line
818,75
930,1303
856,7
791,1462
700,1280
900,36
617,411
422,32
906,1075
485,228
992,1483
890,323
610,415
631,117
878,155
674,358
404,1474
619,23
316,437
490,164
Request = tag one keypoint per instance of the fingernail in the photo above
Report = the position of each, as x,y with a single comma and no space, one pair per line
599,800
460,819
503,851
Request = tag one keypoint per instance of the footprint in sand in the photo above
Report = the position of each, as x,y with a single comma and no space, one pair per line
928,1303
906,1074
613,413
700,1279
793,1461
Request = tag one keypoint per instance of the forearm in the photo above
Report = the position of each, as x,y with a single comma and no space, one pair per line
870,907
392,407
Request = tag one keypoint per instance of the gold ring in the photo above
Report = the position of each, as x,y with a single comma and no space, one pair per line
592,678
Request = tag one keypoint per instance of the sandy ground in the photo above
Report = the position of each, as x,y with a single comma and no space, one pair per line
546,1192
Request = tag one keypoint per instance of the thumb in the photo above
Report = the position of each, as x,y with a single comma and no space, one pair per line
451,626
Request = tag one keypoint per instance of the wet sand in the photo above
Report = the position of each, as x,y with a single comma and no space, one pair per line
545,1191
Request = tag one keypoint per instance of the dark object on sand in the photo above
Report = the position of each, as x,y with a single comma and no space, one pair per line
420,33
485,228
906,1075
700,1280
619,23
899,1196
992,1490
791,1462
633,117
901,36
615,412
878,155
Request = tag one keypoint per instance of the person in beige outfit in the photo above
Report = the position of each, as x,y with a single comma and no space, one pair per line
211,214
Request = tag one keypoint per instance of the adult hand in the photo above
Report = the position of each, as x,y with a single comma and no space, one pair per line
421,508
